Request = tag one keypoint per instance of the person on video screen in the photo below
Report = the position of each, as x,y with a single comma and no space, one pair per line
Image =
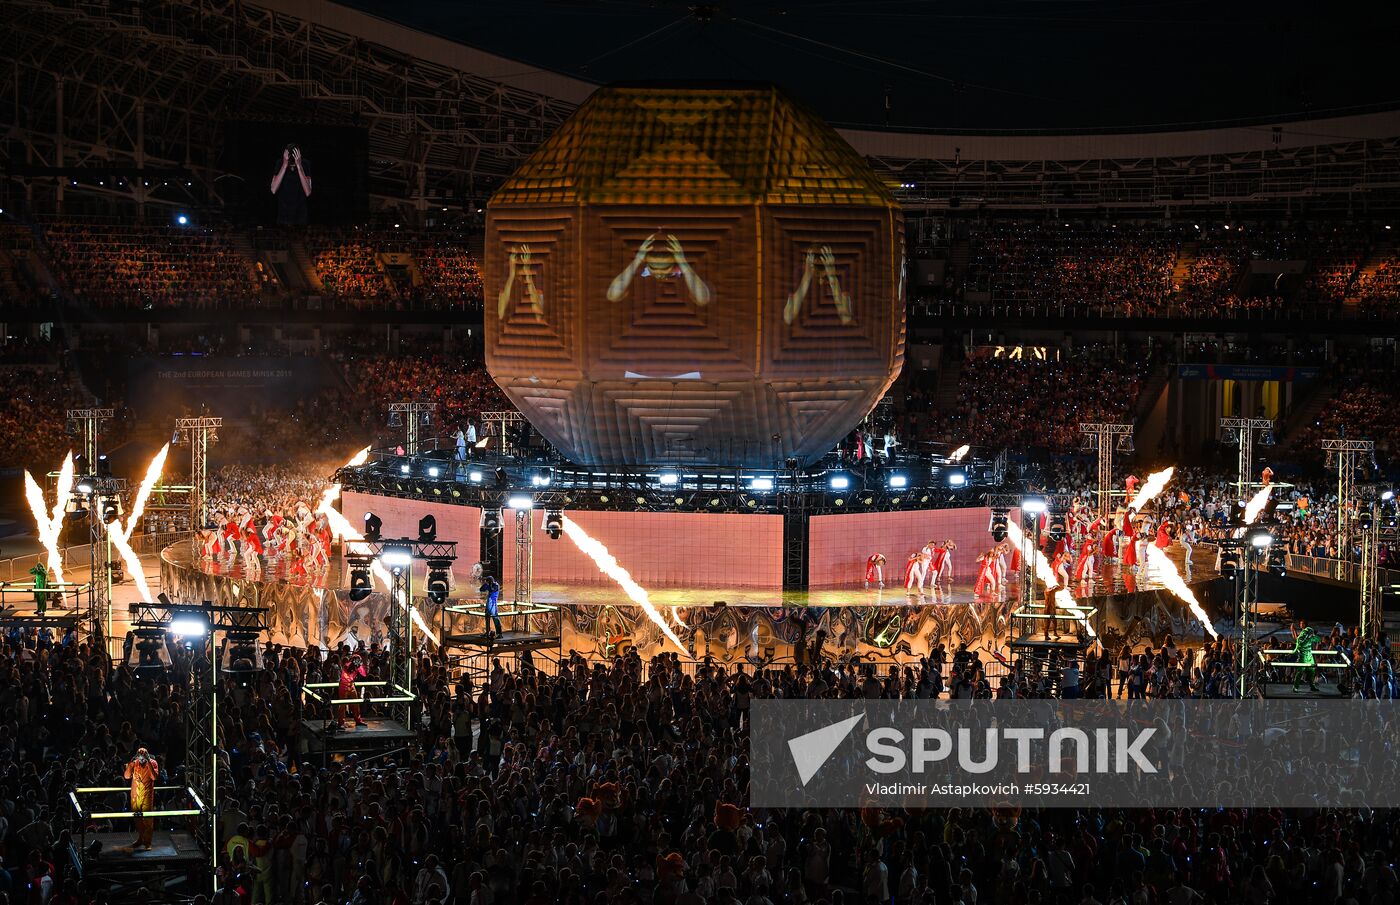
666,265
291,193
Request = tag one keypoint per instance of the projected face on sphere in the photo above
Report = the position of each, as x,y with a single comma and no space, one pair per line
660,261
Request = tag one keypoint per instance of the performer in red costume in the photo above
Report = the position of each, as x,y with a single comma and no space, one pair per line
875,569
142,770
351,671
1084,568
986,583
944,573
1129,532
1164,537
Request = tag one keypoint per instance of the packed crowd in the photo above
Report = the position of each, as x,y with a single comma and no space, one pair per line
1028,403
1378,288
150,267
627,782
459,385
431,267
33,414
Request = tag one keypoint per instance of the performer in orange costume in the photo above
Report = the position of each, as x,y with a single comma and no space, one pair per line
142,771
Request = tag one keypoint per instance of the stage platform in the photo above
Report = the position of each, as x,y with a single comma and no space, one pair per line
505,642
170,852
378,736
1284,691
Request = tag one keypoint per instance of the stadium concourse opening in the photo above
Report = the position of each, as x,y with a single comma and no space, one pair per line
422,466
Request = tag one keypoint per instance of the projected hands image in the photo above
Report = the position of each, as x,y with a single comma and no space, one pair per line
291,192
522,266
829,276
662,263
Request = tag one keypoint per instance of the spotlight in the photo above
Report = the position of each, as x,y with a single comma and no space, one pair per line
474,477
669,479
84,486
491,519
761,484
553,523
396,555
427,419
437,584
182,219
898,481
539,480
957,478
104,467
1034,506
1388,496
520,502
1260,538
111,511
427,529
395,419
374,526
188,625
433,471
1057,528
360,586
840,482
998,526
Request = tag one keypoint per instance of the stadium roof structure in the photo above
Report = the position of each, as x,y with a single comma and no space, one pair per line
147,86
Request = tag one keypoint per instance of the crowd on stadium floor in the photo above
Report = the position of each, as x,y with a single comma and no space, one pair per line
627,782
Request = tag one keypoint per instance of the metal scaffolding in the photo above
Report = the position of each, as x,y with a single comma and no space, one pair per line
1105,439
87,423
198,433
1343,455
524,557
1242,431
1378,527
98,493
411,416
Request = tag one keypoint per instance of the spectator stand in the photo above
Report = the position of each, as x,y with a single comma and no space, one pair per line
393,732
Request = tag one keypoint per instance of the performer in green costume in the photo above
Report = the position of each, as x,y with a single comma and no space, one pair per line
41,582
1303,653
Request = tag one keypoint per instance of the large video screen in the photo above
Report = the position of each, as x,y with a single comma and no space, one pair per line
840,544
292,174
664,550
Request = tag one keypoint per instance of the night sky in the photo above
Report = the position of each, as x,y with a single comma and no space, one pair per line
993,64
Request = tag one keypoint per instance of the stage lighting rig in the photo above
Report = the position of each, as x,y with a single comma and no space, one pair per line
374,526
360,582
437,585
427,529
491,519
553,523
998,526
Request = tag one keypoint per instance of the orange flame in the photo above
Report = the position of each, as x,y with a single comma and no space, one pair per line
1064,598
959,453
1256,505
609,566
121,535
342,529
49,526
1155,484
1171,578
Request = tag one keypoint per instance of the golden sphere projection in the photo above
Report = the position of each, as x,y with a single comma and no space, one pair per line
703,275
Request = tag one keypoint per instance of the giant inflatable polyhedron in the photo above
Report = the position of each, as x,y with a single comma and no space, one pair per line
694,275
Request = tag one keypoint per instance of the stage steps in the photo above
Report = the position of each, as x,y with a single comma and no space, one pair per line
1181,270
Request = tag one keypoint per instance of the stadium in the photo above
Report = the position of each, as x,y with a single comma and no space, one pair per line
523,452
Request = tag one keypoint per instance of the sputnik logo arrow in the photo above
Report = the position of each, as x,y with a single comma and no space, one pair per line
812,750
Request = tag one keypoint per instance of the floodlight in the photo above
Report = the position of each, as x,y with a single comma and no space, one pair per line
520,502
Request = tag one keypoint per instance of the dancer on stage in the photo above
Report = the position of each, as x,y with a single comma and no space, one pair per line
1084,568
142,770
1303,653
943,560
915,573
875,569
1163,540
986,584
41,584
351,671
1129,533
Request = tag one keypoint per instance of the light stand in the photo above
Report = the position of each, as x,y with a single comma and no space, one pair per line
1105,439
